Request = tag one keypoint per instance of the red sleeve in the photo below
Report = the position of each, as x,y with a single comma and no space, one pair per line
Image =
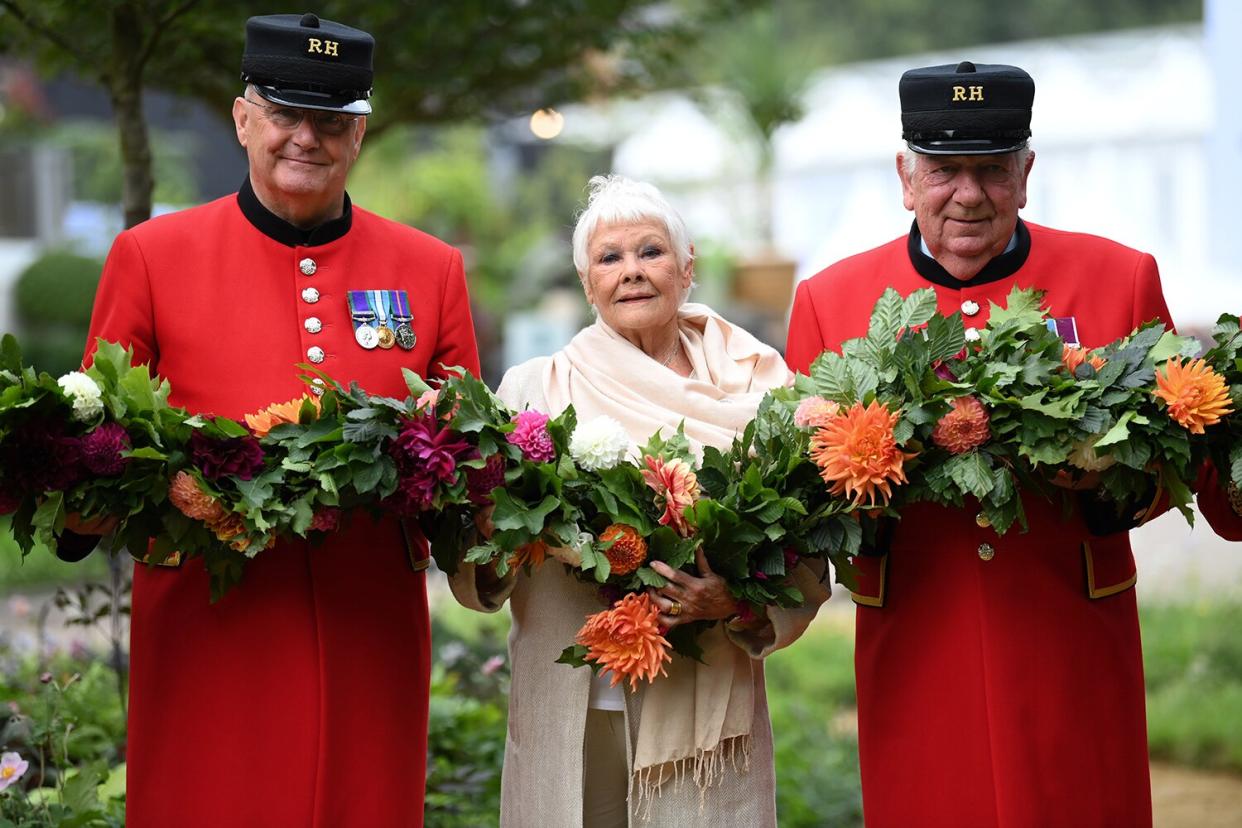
805,340
1215,507
456,345
123,311
1149,301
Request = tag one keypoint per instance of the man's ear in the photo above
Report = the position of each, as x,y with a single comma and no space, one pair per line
240,116
907,192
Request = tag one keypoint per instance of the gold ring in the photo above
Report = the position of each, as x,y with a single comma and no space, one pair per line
675,608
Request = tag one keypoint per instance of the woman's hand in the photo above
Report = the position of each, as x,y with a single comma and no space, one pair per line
686,598
95,526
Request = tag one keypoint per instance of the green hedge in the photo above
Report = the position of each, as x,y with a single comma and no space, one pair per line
53,299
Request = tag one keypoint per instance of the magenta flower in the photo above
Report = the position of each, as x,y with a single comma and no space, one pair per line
426,456
531,436
241,457
101,450
12,766
480,482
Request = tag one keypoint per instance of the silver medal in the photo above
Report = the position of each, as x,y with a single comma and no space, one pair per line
367,336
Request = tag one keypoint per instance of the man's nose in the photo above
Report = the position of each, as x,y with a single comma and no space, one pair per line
969,188
304,134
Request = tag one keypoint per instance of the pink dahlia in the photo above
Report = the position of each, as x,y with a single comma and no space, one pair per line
965,426
531,436
814,412
676,483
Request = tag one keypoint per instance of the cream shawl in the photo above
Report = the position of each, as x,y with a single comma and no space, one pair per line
698,717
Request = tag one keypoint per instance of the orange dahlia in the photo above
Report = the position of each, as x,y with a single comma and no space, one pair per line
965,426
193,502
858,456
1195,394
228,526
628,550
1074,355
261,422
627,640
533,553
676,482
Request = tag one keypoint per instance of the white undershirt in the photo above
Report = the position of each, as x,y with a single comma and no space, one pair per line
1013,242
604,697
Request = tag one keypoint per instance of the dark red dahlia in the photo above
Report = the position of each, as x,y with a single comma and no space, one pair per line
480,482
101,450
241,457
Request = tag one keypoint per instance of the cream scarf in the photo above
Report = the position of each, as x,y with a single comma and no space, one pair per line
698,718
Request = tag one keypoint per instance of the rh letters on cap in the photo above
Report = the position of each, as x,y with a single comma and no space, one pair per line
967,93
328,47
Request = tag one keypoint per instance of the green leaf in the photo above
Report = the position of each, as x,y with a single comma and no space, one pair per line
574,656
972,473
367,477
886,316
10,354
918,308
650,577
1120,431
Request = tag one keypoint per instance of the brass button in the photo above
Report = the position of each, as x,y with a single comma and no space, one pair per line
986,552
308,267
981,520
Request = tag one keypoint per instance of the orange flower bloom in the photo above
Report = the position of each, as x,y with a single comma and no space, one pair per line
261,422
627,640
674,481
533,553
858,456
1074,355
965,426
628,550
228,526
1195,394
193,502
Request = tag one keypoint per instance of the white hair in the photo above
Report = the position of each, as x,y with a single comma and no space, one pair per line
909,158
615,199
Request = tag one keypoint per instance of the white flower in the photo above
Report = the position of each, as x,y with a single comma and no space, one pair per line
1083,456
600,443
86,396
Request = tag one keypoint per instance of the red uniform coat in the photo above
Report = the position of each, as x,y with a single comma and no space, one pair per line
299,699
1000,679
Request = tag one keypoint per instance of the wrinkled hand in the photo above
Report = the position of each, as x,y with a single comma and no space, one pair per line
95,526
705,598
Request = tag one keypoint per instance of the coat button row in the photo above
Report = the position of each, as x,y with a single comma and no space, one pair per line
317,387
308,267
312,324
310,296
315,354
970,307
986,551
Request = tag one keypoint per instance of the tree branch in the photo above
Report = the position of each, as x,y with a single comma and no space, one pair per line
38,28
161,25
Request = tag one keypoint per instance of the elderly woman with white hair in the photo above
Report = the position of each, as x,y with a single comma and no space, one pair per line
693,748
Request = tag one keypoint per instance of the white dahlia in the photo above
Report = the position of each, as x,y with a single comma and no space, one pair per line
600,443
86,396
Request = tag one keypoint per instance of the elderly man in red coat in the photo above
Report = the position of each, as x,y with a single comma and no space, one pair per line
1000,679
300,698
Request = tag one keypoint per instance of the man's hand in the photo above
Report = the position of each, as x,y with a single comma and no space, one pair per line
686,598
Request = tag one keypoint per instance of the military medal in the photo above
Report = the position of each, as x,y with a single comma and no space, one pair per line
402,316
386,337
361,314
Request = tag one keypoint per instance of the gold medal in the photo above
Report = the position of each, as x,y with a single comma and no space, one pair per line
386,337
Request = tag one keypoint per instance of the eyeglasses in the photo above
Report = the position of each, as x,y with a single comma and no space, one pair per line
287,117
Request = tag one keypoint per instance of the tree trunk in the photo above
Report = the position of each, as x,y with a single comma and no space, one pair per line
125,89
